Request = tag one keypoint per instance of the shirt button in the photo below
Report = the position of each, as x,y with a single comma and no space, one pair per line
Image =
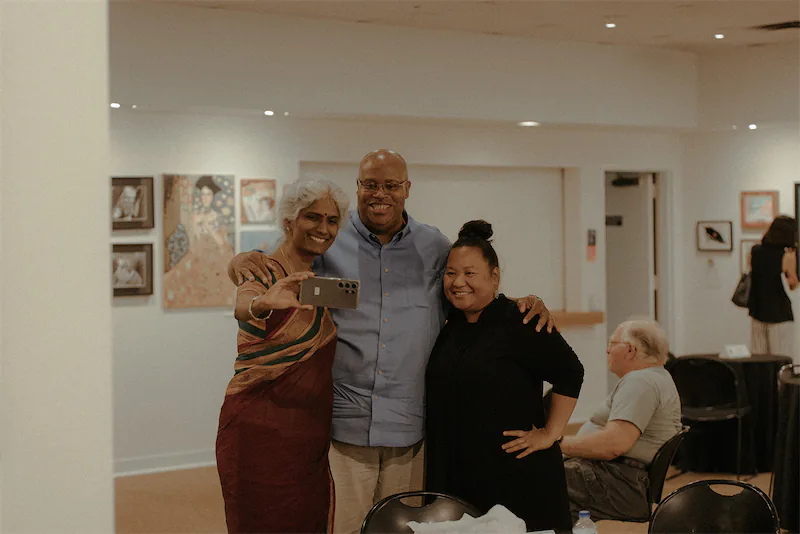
386,294
383,346
376,396
386,270
380,372
386,320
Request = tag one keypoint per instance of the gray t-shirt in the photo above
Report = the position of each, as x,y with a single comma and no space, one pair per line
648,399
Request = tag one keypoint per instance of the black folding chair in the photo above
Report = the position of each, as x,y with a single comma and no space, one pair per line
390,515
660,465
710,391
696,507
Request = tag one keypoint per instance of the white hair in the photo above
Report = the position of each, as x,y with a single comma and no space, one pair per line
302,193
647,337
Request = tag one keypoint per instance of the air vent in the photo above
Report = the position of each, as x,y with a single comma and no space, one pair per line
779,26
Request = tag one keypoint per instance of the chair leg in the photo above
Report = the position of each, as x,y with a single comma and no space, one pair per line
739,450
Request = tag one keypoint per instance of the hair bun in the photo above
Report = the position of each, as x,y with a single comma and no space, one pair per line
480,229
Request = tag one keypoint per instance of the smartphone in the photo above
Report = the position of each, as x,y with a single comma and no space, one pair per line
330,292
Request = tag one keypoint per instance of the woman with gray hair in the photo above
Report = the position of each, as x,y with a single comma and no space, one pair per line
275,424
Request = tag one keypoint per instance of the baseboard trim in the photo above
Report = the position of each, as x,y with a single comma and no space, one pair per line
160,463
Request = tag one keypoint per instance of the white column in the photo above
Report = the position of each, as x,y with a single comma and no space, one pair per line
55,366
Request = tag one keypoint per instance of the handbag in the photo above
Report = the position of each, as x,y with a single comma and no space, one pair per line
742,293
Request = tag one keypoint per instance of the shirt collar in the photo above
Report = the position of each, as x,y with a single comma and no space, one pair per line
358,224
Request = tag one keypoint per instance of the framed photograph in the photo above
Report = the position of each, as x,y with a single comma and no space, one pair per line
744,253
132,270
715,236
132,203
797,218
758,209
258,201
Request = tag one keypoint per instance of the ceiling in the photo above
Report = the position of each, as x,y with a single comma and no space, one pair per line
677,24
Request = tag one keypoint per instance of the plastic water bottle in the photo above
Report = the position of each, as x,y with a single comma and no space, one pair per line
584,524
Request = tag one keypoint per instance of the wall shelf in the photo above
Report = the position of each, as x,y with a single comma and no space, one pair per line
565,319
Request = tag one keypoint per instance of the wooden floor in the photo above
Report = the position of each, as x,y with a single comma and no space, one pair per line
190,501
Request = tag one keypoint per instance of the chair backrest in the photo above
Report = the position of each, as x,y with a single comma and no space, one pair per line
788,374
660,465
704,382
390,515
696,507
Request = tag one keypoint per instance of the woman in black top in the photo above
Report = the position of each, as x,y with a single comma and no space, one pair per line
487,439
769,305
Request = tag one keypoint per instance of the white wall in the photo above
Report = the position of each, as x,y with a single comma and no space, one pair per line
55,388
750,85
203,58
171,368
717,167
447,196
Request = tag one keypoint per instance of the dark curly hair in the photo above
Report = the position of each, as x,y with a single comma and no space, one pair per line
478,234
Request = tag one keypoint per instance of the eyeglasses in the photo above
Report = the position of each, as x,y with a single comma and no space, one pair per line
612,343
372,186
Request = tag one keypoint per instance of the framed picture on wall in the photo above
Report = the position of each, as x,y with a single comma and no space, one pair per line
744,253
715,236
132,203
258,201
199,229
758,209
797,218
132,268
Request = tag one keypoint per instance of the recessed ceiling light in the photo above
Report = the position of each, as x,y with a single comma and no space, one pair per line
719,36
114,105
134,106
269,113
734,127
753,126
285,113
528,124
610,25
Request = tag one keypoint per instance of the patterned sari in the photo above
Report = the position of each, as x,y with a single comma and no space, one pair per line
275,424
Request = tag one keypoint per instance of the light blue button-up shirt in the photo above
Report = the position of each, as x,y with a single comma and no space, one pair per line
384,345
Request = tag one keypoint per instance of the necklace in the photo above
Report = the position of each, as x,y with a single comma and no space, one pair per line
288,263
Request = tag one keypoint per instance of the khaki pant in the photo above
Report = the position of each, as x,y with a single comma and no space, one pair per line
772,338
365,475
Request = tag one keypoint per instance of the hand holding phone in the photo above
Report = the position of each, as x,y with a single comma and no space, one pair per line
331,292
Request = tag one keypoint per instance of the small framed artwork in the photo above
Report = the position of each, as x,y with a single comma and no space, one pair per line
258,201
132,270
759,208
744,253
132,203
715,236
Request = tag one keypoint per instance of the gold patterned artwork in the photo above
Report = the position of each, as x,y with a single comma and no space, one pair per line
198,240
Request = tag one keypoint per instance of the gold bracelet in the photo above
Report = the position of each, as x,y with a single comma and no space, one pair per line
253,315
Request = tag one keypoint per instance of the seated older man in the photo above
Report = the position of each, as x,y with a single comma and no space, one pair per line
608,458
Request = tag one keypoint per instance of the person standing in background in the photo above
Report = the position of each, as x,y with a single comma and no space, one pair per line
771,317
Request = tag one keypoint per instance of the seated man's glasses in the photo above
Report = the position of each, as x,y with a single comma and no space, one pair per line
373,186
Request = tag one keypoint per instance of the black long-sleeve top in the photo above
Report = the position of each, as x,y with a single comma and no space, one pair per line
484,378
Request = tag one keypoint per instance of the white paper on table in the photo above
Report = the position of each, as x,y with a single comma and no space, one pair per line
498,520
